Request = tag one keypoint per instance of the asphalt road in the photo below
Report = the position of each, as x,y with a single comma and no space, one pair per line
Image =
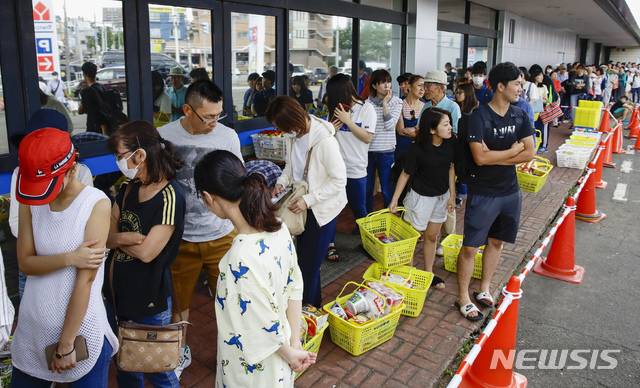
597,315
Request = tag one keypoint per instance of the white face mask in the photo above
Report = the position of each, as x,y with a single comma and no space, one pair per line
126,171
478,80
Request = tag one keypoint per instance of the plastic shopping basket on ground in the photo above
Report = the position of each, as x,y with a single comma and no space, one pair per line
313,345
415,296
357,339
533,183
451,247
390,254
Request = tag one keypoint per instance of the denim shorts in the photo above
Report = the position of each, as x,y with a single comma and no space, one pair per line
491,217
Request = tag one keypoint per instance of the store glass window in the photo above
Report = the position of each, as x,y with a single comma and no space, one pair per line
317,41
380,48
450,46
4,143
69,33
181,49
394,5
253,50
480,49
451,10
480,16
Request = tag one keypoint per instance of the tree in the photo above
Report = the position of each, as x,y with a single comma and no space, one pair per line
91,43
375,41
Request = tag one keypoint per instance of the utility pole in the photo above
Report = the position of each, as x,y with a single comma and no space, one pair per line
176,24
67,60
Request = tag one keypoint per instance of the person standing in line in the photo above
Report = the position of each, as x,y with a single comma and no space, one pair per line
403,83
412,105
61,222
466,99
261,332
327,177
176,92
263,97
206,237
161,100
248,94
580,85
299,91
57,88
429,163
364,80
635,86
333,70
147,221
452,77
382,147
500,136
483,93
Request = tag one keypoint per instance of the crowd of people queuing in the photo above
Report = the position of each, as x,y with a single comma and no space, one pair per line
190,204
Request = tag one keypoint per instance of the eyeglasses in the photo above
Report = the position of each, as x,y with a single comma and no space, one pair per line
118,156
220,117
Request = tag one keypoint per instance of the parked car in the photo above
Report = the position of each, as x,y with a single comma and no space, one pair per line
160,62
298,70
75,73
317,75
111,77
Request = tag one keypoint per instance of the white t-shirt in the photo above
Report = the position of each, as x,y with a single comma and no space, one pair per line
299,156
164,102
354,151
530,92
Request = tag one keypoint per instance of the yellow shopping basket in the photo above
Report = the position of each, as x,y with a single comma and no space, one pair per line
415,296
313,345
357,339
533,183
389,254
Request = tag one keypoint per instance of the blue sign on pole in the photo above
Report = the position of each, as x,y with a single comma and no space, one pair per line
44,45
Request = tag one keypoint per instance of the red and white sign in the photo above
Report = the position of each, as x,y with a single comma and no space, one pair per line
41,12
45,63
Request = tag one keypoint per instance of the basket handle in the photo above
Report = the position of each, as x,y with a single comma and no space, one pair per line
307,330
384,300
547,161
404,283
383,211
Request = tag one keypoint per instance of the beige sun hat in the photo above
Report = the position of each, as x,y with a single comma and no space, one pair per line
436,76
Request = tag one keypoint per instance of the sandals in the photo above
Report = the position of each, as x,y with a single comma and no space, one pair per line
481,296
332,252
437,283
467,309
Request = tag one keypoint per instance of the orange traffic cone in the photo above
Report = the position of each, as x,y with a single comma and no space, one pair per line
586,208
617,140
600,184
634,127
637,145
605,124
560,263
607,162
489,369
634,118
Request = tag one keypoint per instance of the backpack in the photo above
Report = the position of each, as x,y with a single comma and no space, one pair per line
112,98
465,165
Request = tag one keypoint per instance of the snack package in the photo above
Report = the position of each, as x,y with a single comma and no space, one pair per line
361,319
396,279
315,317
357,303
393,299
338,310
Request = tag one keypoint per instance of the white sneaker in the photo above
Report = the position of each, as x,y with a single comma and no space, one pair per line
440,251
184,361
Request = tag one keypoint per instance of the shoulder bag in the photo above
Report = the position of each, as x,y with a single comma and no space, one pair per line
295,221
147,348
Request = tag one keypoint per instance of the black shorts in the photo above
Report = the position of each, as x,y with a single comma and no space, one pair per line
491,217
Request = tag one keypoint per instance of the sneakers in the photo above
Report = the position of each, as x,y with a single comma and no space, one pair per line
440,251
543,150
184,361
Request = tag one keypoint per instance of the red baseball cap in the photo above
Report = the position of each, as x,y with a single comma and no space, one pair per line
44,157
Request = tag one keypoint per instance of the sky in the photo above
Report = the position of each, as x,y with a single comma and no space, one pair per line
634,6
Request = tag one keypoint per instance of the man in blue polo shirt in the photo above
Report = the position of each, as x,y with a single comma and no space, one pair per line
434,84
500,136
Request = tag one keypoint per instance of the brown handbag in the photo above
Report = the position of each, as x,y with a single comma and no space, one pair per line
148,348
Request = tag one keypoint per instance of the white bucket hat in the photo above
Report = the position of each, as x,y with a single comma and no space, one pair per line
436,76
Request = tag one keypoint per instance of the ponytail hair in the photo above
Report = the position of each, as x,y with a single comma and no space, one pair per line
221,173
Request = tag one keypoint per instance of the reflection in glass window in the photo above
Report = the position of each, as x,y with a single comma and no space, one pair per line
253,63
181,50
378,44
449,50
480,49
65,40
395,5
4,144
482,16
316,43
451,10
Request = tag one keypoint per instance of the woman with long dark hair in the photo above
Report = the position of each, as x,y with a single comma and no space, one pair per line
466,97
407,126
147,221
300,92
429,163
327,178
258,302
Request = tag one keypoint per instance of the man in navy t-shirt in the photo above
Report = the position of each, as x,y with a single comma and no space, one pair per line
500,136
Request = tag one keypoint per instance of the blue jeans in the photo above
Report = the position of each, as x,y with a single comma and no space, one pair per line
635,94
356,195
129,379
98,376
312,248
574,104
381,162
22,280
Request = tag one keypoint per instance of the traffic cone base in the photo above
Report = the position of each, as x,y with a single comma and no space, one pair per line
471,381
601,185
574,275
610,165
591,218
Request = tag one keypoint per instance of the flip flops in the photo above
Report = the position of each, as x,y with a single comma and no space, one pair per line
332,252
437,283
481,296
469,308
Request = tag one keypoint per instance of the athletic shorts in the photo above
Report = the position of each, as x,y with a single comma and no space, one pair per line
491,217
420,209
192,257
